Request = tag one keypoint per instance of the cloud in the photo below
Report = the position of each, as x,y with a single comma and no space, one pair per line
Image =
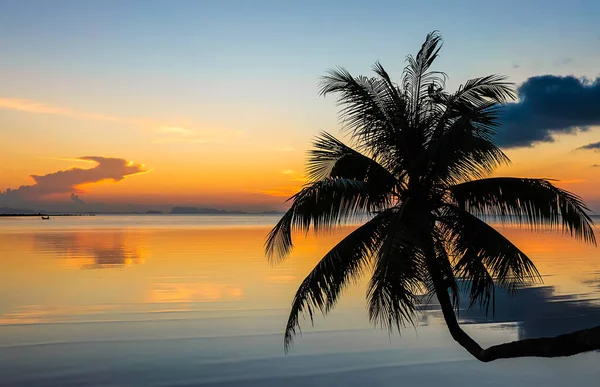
284,149
595,165
284,192
175,133
74,160
30,106
595,146
68,181
173,140
183,135
75,199
288,172
549,105
176,130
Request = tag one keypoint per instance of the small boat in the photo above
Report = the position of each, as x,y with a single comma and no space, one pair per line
45,217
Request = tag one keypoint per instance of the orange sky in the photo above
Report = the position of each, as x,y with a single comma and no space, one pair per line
233,170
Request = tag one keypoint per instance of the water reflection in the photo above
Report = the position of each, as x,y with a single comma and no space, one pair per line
206,304
90,250
537,312
187,292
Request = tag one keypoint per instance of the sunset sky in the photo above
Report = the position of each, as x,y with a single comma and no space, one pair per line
137,105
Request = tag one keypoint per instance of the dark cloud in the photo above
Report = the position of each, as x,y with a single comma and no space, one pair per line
549,105
516,66
595,146
595,165
67,182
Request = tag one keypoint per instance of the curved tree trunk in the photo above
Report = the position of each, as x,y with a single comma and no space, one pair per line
564,345
568,344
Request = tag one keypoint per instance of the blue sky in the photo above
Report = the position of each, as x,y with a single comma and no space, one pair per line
120,40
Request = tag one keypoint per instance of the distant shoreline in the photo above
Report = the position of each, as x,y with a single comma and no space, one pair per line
177,210
44,214
136,213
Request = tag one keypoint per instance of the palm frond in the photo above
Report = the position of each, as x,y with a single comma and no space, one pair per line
535,202
331,158
374,112
479,282
343,263
393,90
417,80
462,153
492,88
460,147
401,134
321,205
474,242
397,278
366,109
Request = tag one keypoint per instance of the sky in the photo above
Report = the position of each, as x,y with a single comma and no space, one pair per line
138,105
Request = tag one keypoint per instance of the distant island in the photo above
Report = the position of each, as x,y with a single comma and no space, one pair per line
153,212
9,212
205,211
272,212
18,211
178,210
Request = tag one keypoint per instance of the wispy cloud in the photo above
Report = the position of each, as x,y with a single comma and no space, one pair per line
171,140
293,176
191,137
171,132
595,146
177,134
30,106
284,192
73,160
176,130
572,181
284,149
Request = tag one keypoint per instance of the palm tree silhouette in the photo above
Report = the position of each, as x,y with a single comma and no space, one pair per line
420,173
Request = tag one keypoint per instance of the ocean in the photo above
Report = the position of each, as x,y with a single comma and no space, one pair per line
178,300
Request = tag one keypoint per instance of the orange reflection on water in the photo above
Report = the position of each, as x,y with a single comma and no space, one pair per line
44,314
553,251
220,267
90,249
194,292
205,268
564,262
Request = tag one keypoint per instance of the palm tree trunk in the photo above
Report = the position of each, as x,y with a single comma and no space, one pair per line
564,345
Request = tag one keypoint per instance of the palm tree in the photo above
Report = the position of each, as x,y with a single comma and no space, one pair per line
421,172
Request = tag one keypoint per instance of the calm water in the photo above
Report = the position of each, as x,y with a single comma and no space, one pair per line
191,301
